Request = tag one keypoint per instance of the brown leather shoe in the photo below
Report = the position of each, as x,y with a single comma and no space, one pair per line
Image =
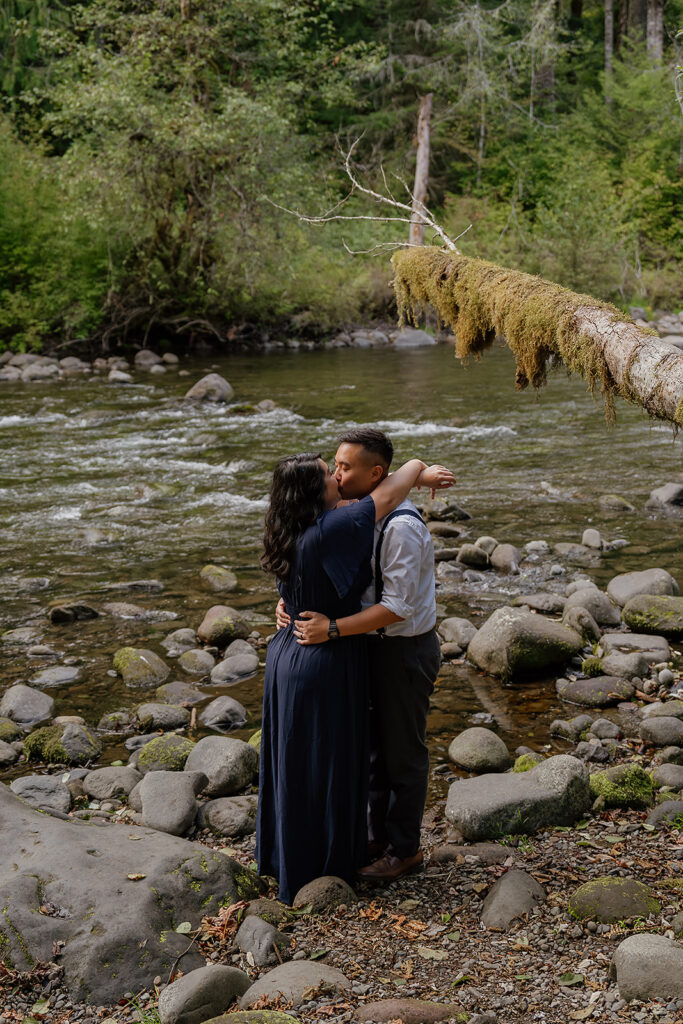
376,850
388,868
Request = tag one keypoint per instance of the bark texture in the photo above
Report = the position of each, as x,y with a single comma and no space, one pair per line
417,224
542,323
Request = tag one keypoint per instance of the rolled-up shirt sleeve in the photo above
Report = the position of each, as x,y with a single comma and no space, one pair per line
402,557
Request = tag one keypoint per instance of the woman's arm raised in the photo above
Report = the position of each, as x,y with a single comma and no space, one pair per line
395,488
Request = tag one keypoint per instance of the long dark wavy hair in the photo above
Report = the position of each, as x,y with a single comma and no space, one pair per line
297,498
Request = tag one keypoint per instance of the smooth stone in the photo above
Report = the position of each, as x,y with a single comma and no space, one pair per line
615,503
230,817
592,750
119,377
44,792
223,714
163,753
408,1011
655,613
196,662
506,558
668,755
292,980
662,732
235,668
656,647
556,792
484,853
217,578
211,388
111,782
180,640
124,610
670,775
58,675
8,755
591,539
548,604
26,706
628,666
512,895
117,722
80,744
580,584
254,1016
648,967
269,910
473,556
457,631
412,337
145,358
598,692
664,709
605,730
479,750
20,635
667,496
229,764
603,610
612,899
201,994
180,693
221,625
168,802
9,730
153,717
324,893
140,668
648,581
514,642
260,938
581,622
668,812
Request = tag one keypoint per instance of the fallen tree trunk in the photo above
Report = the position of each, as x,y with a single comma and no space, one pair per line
541,322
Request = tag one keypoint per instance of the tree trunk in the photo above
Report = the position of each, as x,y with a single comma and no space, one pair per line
655,29
609,46
542,322
417,227
575,15
622,25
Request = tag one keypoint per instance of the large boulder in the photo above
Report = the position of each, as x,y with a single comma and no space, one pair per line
648,967
555,792
45,792
514,643
596,692
661,731
648,581
26,706
140,668
655,648
211,388
221,625
62,744
111,782
229,764
291,981
479,750
655,613
612,899
119,895
603,610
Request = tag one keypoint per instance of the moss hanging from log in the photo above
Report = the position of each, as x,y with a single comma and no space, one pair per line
480,301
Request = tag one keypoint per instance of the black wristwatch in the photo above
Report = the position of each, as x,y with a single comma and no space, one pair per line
332,630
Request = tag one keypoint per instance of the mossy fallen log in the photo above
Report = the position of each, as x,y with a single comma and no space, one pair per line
542,323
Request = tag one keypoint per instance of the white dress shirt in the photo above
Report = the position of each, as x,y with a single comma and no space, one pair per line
407,561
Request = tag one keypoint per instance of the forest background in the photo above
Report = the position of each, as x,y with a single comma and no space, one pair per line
143,144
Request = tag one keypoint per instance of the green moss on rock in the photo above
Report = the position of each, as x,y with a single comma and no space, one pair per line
612,899
525,762
45,745
254,1017
9,730
624,785
592,667
661,614
255,741
168,753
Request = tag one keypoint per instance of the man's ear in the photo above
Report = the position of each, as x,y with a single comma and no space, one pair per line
377,474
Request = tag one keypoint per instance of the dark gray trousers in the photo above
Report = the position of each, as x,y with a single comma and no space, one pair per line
402,675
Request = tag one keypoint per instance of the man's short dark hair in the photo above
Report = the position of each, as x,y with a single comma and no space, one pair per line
373,441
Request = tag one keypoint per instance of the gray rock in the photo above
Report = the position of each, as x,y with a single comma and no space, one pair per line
9,730
581,583
180,693
488,544
649,581
648,967
506,558
603,610
196,662
457,631
664,709
411,337
572,552
548,604
324,893
120,722
668,812
414,1011
668,755
234,668
168,802
163,753
201,994
146,358
269,910
581,622
221,625
46,792
80,744
591,539
612,899
592,750
229,764
655,648
211,388
604,729
140,668
655,613
153,717
555,792
473,556
26,706
668,496
111,782
224,714
217,578
670,775
292,980
512,895
124,610
662,732
8,755
260,938
514,642
572,729
598,692
230,817
58,675
615,503
479,750
628,666
483,853
180,640
119,377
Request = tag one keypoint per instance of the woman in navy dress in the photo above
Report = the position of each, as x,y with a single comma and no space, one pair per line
314,743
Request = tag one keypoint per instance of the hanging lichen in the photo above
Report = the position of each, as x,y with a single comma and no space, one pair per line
480,302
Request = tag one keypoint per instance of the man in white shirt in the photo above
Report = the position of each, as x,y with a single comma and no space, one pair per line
399,614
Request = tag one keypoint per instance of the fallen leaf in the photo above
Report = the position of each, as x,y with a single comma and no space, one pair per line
432,954
318,954
568,979
133,877
480,886
581,1014
184,928
453,936
399,982
41,1006
372,912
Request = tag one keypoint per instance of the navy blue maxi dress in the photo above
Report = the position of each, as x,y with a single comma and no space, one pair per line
314,744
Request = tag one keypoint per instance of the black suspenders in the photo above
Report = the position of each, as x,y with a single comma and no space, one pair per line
379,582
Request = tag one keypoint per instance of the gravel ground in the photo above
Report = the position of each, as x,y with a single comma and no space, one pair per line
421,937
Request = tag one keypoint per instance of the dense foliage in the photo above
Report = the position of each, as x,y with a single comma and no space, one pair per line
146,147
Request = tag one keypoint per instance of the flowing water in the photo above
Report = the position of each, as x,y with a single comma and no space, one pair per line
106,484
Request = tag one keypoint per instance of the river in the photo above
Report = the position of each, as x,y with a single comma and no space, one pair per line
102,484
